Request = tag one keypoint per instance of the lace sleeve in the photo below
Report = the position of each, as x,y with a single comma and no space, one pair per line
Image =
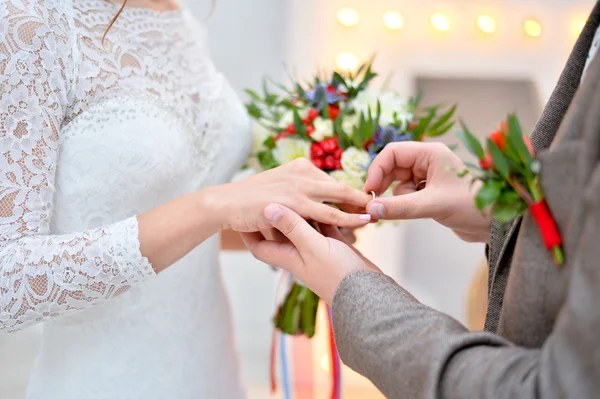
44,275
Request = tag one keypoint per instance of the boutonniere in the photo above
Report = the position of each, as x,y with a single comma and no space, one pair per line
510,180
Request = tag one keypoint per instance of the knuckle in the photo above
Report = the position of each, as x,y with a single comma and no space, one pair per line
301,165
333,214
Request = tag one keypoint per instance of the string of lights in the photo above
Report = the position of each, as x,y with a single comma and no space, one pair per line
441,22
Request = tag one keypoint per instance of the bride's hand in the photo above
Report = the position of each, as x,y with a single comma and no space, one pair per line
298,185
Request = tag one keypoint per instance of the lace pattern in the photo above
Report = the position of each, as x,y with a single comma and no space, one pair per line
53,67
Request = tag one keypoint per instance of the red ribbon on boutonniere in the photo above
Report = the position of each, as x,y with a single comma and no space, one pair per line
510,180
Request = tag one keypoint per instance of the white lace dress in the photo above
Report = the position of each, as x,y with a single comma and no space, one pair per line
91,135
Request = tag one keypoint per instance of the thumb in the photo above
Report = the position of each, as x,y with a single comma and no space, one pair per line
302,235
407,206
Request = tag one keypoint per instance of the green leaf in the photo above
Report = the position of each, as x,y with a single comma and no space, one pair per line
269,142
266,160
488,194
310,303
325,108
470,141
443,120
299,125
423,124
500,162
440,131
254,111
338,79
505,213
253,94
509,206
515,135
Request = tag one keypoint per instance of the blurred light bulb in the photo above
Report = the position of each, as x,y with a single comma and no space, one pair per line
346,61
393,20
440,22
532,28
486,23
348,16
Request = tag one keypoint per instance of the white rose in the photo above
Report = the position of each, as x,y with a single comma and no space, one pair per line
287,149
349,122
259,135
352,181
323,129
355,161
391,103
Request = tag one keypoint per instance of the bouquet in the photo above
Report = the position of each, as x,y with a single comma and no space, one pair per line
340,124
510,183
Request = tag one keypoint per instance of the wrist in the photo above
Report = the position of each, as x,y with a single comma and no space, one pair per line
212,206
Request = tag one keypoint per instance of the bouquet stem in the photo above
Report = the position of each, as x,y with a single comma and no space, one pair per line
298,313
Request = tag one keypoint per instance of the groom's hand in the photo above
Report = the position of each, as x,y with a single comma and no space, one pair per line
320,261
444,197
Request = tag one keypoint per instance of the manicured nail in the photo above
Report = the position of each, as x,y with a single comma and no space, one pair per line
366,217
376,210
273,213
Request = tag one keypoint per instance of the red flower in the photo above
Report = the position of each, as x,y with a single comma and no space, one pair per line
338,153
313,114
498,138
330,145
368,144
310,129
281,135
413,125
338,164
487,162
331,89
316,151
318,162
291,129
329,162
334,111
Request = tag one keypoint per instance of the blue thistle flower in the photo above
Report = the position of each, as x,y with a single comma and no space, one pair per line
315,96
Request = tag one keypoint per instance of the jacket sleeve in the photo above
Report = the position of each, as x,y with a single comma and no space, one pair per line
409,350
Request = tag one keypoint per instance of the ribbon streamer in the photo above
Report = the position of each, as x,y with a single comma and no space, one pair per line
336,376
279,339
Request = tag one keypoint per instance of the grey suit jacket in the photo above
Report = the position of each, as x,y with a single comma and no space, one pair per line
542,335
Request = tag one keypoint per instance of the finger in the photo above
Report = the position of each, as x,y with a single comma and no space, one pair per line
341,193
272,234
404,188
416,205
332,232
396,160
348,235
329,215
302,235
282,255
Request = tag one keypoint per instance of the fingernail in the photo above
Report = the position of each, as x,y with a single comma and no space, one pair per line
376,210
273,213
366,217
